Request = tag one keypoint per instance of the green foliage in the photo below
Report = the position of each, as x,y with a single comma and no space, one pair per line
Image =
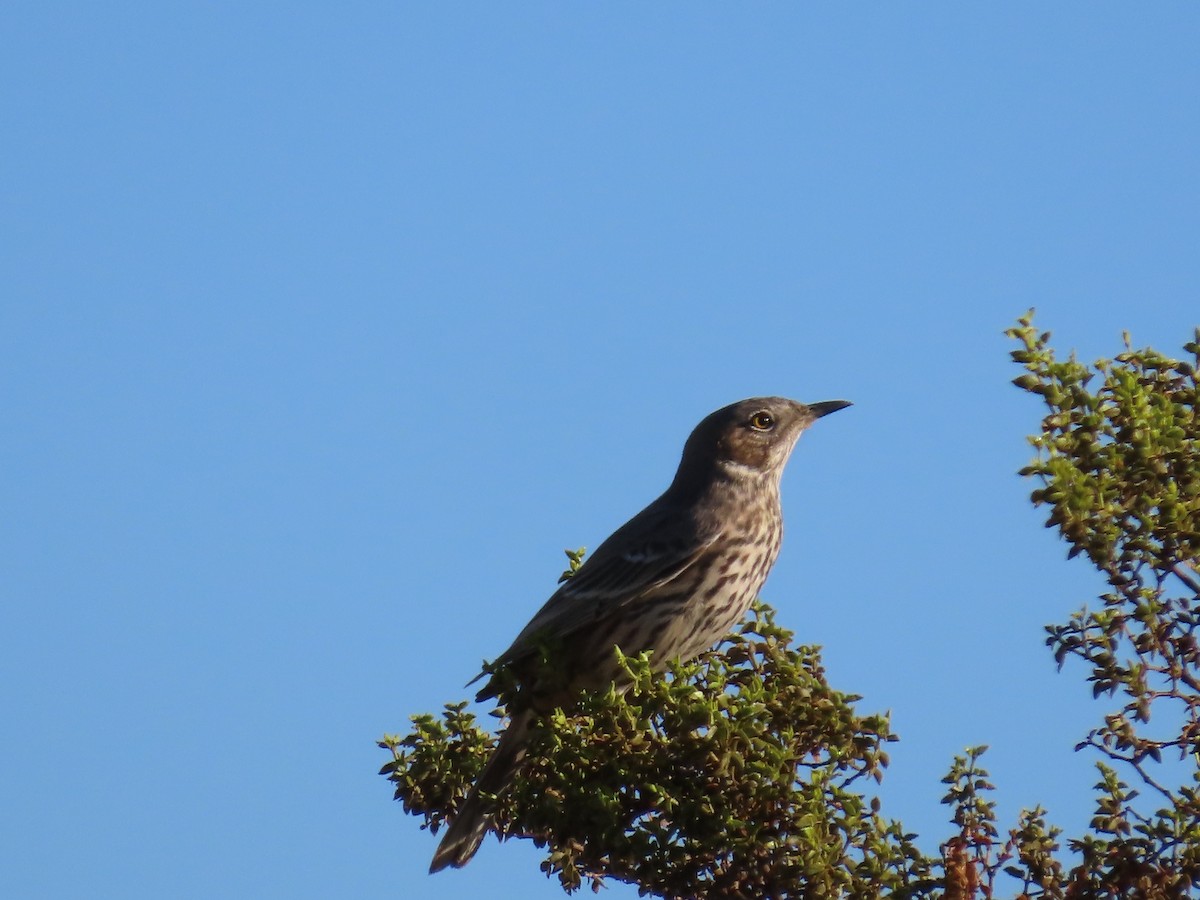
740,774
732,776
1120,471
973,859
1118,464
1119,468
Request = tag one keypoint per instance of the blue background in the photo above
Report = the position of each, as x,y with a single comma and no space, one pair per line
325,328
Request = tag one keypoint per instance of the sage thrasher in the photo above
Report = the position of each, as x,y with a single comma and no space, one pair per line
674,580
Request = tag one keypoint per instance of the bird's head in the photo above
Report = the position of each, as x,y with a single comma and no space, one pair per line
752,436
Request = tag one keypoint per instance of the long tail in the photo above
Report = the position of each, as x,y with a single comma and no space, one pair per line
470,825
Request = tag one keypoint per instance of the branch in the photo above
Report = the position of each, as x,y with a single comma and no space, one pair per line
1187,574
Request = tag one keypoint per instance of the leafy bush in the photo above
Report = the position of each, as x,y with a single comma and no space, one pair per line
742,773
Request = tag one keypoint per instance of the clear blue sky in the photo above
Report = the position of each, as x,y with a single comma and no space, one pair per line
326,327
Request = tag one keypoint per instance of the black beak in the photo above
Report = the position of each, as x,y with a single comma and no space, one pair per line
825,407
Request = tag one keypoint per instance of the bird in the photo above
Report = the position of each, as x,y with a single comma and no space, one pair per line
672,580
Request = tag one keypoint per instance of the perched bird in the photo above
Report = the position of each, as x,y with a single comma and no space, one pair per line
674,580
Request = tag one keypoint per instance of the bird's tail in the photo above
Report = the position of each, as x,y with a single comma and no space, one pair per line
470,824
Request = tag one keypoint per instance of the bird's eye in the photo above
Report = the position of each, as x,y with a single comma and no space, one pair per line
762,421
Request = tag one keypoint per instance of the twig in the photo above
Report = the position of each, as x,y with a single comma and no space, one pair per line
1187,574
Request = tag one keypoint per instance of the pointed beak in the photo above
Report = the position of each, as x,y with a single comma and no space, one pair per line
825,407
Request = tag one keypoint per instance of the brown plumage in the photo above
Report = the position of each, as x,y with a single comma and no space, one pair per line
674,580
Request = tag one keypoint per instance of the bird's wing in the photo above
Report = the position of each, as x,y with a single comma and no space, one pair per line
652,549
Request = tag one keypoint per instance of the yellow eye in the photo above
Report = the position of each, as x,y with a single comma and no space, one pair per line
762,421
